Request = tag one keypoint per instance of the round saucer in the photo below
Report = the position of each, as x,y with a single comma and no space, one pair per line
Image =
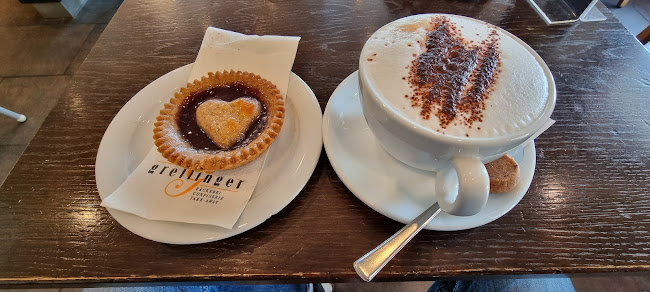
390,187
128,140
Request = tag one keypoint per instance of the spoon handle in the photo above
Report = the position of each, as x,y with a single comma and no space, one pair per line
370,264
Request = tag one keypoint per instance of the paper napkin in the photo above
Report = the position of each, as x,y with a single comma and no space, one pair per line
160,190
541,130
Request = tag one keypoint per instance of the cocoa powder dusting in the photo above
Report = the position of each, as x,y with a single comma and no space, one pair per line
452,78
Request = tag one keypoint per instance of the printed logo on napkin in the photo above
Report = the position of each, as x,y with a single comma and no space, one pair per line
160,190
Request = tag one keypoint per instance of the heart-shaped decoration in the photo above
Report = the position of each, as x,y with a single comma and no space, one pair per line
226,122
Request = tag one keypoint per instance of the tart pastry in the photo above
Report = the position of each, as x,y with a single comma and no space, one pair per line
222,121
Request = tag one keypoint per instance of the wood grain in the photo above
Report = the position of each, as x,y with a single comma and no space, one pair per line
587,210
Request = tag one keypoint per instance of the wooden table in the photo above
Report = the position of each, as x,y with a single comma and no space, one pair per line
587,210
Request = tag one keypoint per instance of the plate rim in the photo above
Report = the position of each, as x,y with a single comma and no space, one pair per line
306,118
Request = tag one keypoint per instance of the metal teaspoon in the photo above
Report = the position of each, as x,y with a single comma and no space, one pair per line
369,265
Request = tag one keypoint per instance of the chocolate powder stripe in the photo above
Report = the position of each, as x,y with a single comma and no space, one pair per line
450,79
482,83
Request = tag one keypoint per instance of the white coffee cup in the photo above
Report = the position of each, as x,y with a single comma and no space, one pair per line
462,180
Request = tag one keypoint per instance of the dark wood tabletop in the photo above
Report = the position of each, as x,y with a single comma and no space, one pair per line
587,210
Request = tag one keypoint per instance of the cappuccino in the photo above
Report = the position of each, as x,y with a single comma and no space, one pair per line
456,76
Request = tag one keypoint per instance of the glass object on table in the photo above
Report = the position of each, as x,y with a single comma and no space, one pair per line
567,11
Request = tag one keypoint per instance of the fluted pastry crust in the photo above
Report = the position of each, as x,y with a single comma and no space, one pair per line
176,149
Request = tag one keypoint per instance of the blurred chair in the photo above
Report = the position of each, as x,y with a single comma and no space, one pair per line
644,36
13,115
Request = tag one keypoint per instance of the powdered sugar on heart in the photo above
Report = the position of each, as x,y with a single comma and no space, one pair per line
227,122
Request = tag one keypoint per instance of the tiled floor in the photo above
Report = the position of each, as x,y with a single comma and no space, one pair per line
33,97
38,50
40,56
635,16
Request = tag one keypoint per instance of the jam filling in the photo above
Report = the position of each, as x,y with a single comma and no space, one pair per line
194,135
452,79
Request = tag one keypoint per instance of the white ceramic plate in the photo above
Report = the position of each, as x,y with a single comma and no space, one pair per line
390,187
129,138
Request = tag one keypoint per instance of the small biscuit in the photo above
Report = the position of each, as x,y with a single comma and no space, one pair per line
503,173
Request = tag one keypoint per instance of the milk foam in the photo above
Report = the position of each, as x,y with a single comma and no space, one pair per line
519,95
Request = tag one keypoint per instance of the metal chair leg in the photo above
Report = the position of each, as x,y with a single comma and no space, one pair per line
13,115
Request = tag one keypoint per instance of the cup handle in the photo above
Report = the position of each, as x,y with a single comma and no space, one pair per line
463,188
